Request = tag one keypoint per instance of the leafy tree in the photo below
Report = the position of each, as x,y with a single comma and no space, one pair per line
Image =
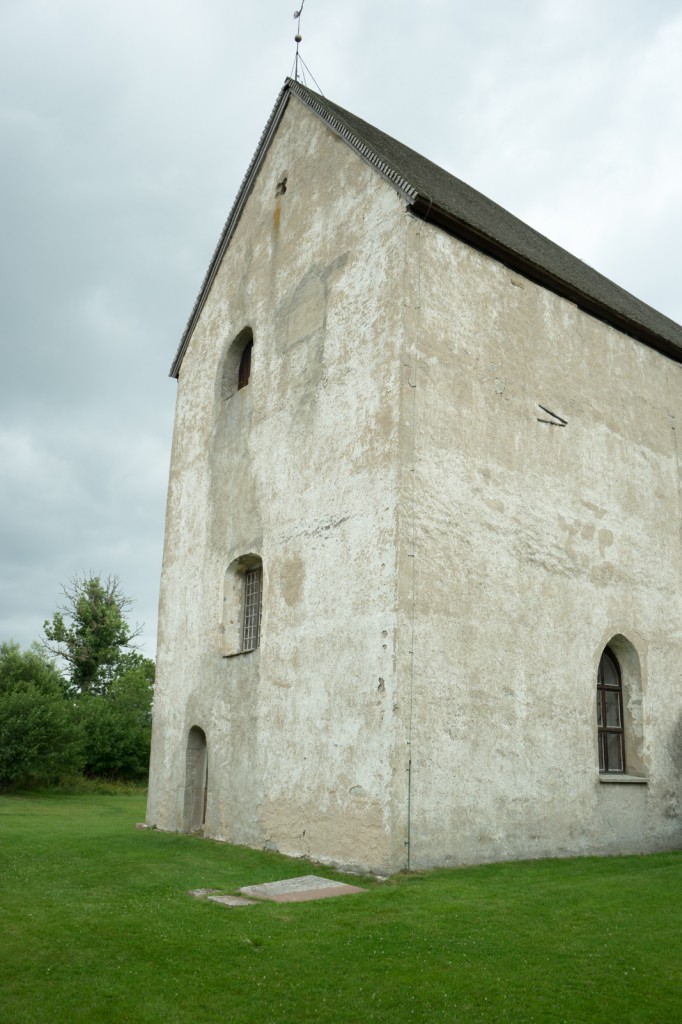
116,725
90,632
39,735
93,717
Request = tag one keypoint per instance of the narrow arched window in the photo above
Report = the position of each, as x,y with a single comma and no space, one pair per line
610,714
245,367
234,370
196,780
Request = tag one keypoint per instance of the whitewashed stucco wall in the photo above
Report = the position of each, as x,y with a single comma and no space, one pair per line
535,545
300,467
441,570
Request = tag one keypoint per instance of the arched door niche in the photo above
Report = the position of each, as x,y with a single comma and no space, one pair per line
196,780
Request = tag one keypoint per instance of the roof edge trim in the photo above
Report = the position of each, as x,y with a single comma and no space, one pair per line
361,148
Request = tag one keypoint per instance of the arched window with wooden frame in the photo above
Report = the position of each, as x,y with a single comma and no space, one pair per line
245,366
235,368
610,727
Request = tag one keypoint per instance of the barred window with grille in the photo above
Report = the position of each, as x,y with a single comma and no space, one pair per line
253,600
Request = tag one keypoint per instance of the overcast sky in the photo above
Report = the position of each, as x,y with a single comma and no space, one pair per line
125,131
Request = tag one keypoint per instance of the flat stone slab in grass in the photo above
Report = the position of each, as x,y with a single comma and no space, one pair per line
231,901
201,894
296,890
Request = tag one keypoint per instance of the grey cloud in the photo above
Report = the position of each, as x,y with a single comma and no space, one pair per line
126,130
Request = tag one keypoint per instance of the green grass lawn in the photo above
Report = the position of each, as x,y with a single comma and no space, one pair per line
96,926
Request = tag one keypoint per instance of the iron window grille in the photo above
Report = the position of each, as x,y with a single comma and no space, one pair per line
253,604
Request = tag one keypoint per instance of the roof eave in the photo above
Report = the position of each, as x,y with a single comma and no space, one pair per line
423,208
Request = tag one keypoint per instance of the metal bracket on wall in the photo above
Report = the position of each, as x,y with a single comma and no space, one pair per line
558,421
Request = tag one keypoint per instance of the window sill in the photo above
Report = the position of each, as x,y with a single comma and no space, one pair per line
632,780
238,654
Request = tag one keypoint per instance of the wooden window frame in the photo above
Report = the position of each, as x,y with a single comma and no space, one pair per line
245,366
611,735
235,368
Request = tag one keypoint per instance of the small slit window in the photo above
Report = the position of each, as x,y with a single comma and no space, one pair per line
610,714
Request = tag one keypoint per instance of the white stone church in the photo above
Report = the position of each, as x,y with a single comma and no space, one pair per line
422,583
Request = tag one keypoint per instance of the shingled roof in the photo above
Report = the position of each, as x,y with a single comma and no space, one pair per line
439,198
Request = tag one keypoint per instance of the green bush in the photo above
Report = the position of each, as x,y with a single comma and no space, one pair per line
51,733
116,725
40,739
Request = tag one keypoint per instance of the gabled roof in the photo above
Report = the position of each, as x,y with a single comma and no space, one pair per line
438,197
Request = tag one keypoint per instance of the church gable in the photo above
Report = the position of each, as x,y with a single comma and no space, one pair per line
438,197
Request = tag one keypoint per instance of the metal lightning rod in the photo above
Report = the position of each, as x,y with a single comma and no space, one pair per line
300,67
298,38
